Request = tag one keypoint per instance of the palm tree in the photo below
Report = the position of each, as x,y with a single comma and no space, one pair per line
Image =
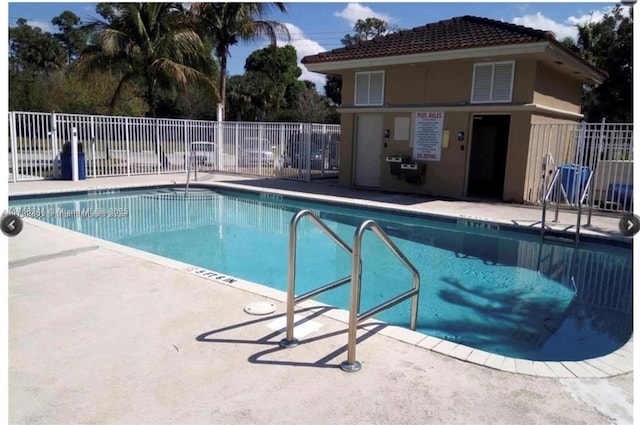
226,24
149,44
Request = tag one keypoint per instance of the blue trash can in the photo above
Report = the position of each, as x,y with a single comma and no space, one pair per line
621,194
65,162
574,179
65,167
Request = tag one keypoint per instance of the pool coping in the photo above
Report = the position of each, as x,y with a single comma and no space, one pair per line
615,363
504,226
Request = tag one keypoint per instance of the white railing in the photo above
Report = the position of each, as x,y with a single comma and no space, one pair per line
125,146
594,160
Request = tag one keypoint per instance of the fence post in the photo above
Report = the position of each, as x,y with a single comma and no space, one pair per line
160,156
220,142
187,152
236,143
580,157
260,147
74,154
54,144
565,158
324,149
127,144
598,153
307,151
14,145
93,147
281,151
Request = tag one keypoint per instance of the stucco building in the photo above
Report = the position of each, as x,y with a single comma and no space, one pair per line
445,109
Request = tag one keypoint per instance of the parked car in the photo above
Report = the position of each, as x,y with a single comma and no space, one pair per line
203,153
256,151
297,158
320,149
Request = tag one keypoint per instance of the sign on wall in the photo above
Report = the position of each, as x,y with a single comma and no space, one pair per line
427,136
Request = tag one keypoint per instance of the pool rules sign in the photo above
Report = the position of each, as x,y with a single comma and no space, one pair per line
427,136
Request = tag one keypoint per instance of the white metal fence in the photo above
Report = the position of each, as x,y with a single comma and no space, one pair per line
124,146
592,164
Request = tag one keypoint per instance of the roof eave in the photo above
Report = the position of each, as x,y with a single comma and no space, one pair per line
478,52
582,70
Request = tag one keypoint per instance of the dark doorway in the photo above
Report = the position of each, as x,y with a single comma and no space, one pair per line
488,158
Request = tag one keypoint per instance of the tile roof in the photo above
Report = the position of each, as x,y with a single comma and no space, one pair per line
465,32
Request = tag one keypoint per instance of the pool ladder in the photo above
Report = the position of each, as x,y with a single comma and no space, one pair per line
558,189
350,365
190,162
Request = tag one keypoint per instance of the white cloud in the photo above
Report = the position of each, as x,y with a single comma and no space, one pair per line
354,11
44,26
595,16
568,27
541,22
304,47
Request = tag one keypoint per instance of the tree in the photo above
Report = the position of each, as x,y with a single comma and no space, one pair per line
70,35
311,107
32,50
34,56
226,24
75,93
280,71
70,92
608,46
333,88
238,98
569,43
250,96
197,102
366,29
150,45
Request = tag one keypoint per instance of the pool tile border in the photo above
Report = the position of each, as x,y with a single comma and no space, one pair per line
491,225
503,226
616,363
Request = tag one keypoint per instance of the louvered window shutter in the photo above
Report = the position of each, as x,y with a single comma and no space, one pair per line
369,88
482,79
376,88
502,82
492,82
362,88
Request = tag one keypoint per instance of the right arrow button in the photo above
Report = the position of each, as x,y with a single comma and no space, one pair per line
629,225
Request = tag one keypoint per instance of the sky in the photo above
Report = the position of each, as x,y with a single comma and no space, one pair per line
317,27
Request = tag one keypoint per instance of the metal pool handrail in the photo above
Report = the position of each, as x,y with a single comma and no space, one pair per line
292,300
190,161
556,185
351,365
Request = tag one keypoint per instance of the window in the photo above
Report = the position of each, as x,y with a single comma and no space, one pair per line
492,82
369,88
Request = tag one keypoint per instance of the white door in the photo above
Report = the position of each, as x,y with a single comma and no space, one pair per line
368,150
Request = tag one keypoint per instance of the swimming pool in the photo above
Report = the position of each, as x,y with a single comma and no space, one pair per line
482,286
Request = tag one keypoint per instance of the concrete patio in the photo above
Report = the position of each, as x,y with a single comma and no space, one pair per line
105,334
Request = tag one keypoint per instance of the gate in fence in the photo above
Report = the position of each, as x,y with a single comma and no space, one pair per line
125,146
586,165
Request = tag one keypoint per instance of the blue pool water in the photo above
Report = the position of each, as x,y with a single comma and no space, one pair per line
494,289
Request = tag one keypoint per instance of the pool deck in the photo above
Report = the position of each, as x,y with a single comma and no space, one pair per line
102,333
